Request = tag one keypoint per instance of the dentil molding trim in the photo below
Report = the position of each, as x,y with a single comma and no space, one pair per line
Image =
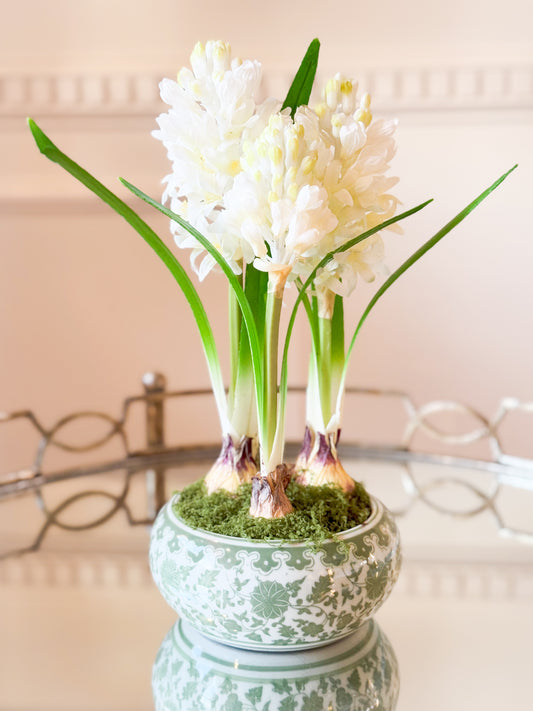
397,89
419,578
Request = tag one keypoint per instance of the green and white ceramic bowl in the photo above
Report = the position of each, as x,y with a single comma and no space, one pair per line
358,673
275,595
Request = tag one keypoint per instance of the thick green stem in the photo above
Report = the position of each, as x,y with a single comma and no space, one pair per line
242,414
272,318
324,367
337,345
235,323
313,406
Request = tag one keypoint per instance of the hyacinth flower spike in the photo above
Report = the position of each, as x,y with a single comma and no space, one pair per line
272,194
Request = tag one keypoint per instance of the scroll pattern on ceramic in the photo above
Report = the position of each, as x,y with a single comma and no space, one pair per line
259,595
357,674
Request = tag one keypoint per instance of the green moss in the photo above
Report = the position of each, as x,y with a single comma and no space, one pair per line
319,512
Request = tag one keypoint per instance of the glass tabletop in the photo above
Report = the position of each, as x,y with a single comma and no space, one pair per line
83,627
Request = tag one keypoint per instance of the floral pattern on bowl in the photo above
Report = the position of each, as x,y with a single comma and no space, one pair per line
275,594
358,673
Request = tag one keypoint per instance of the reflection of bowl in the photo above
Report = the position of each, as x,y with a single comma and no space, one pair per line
275,595
358,673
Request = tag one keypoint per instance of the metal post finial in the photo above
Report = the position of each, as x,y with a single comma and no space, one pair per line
154,387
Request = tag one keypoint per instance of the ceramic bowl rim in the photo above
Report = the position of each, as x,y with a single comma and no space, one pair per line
378,509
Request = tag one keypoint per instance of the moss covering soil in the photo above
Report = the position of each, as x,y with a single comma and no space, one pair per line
319,513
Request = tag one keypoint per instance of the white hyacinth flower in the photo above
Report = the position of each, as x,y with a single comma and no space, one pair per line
212,112
269,189
276,203
356,184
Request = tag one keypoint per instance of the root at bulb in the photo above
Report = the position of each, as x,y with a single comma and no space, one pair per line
269,499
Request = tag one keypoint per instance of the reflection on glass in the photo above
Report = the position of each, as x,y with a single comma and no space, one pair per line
193,673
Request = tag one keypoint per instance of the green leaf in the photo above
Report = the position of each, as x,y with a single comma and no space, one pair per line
207,578
286,631
281,686
302,84
344,700
234,333
255,287
312,316
247,314
324,367
337,343
241,403
354,680
412,260
337,330
231,626
254,636
273,454
53,153
288,704
302,294
321,589
233,703
227,685
255,694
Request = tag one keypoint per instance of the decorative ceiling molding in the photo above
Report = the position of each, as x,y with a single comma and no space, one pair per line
419,578
397,89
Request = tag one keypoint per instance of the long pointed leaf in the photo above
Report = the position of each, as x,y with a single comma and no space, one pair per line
243,401
348,245
255,287
53,153
409,263
337,344
337,330
234,333
302,84
303,289
312,317
247,314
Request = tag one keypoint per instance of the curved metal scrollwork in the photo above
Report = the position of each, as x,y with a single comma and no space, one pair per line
153,461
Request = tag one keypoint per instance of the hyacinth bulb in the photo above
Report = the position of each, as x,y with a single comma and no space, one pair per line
300,466
245,462
269,499
234,466
318,462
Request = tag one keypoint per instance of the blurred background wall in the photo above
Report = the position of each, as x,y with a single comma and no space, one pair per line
86,309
